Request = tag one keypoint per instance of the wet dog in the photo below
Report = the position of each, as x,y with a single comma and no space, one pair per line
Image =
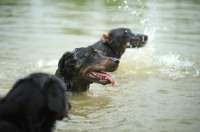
115,42
84,66
34,104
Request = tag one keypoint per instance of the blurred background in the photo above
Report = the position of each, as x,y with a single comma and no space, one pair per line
157,87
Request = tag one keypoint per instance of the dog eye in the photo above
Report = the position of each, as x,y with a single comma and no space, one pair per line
93,54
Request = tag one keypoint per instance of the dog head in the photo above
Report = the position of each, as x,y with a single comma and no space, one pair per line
34,103
54,90
122,38
85,66
42,91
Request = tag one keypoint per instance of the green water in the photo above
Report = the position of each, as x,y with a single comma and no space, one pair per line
157,87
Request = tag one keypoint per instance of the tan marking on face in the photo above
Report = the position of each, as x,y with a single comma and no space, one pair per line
97,66
107,34
122,50
83,71
125,46
106,63
105,37
95,50
101,52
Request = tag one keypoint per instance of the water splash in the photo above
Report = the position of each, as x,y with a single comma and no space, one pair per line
147,61
45,66
134,10
174,66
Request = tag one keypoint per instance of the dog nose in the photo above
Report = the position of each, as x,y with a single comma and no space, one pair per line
116,61
142,38
145,37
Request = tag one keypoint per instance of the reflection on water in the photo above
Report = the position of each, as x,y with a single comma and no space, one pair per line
157,87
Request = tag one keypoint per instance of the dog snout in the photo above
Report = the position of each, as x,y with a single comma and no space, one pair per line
116,61
68,106
138,40
143,38
137,37
140,37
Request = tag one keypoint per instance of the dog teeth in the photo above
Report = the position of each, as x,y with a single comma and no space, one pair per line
97,75
94,73
142,38
106,78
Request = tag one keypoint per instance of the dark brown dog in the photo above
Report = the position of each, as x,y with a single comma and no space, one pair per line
34,104
115,42
83,66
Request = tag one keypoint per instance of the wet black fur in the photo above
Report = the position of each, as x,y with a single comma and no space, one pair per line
33,104
114,44
71,63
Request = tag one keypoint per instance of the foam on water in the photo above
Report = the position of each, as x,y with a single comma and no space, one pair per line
147,61
46,66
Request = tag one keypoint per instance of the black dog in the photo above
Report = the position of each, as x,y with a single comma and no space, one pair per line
34,104
83,66
115,42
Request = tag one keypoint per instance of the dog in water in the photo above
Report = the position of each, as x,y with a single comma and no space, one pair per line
115,42
34,104
84,66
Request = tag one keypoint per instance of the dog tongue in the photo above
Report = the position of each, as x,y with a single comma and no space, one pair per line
106,76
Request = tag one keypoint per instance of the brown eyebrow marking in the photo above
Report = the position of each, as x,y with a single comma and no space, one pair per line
95,50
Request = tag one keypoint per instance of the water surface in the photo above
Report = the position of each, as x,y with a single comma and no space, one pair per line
157,87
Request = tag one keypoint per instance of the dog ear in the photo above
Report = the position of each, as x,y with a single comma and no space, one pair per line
66,56
105,38
56,98
67,60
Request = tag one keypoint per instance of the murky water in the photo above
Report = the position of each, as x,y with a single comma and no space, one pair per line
157,87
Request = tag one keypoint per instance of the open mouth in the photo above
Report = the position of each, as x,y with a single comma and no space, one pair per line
138,41
100,77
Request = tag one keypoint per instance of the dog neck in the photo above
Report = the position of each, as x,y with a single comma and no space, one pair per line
108,50
77,85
